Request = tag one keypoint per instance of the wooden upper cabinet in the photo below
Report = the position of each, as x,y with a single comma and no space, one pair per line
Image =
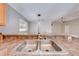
3,14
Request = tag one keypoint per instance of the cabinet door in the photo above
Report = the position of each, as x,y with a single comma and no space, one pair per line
1,38
3,14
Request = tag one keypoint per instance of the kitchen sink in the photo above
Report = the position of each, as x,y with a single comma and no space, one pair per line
27,46
55,46
49,46
38,47
45,46
31,46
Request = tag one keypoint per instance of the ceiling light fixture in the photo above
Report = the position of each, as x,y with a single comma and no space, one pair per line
38,14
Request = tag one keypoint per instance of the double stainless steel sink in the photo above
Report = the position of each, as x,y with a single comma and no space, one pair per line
37,47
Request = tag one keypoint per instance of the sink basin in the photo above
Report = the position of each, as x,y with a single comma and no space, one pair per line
31,46
46,46
27,46
20,47
56,47
49,46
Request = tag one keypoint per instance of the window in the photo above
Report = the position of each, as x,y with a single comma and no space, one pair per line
23,26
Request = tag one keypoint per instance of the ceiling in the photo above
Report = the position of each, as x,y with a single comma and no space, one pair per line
48,11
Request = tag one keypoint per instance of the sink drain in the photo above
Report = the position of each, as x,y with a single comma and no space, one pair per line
29,50
47,50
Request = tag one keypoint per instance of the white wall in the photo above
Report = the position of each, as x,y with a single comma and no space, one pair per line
73,27
12,22
44,27
33,27
70,27
57,28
